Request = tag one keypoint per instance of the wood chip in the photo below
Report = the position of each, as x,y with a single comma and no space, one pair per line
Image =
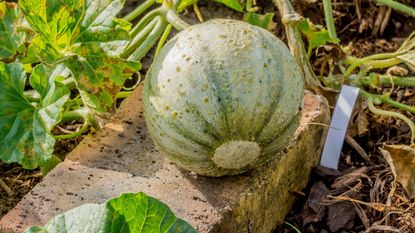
6,188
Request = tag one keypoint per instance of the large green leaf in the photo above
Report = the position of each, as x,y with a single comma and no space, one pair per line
135,213
316,35
25,127
14,31
233,4
88,38
260,20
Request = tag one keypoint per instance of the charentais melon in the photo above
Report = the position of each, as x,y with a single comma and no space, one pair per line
223,97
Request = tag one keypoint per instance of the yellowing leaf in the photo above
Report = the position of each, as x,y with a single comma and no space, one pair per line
401,159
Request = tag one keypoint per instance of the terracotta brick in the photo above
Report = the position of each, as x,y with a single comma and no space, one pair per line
122,158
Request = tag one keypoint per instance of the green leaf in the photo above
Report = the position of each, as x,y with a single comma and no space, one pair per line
233,4
185,3
87,37
135,213
263,21
14,31
316,35
408,58
25,127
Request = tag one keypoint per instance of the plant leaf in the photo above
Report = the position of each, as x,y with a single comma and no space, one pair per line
401,159
409,58
233,4
25,135
185,3
129,212
14,31
263,21
316,35
87,37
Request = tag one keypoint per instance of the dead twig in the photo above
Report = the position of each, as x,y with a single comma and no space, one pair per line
358,149
6,188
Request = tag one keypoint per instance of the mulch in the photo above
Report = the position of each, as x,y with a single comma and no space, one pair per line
362,196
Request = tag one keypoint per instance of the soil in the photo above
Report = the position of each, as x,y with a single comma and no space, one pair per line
362,196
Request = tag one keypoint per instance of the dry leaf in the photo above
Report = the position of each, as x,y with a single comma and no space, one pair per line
401,159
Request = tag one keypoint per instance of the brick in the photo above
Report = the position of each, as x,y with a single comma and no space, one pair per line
122,158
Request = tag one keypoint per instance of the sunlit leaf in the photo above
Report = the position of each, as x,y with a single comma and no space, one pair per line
135,213
87,37
263,21
316,35
25,127
14,31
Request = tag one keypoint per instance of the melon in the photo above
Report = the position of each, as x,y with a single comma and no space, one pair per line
222,97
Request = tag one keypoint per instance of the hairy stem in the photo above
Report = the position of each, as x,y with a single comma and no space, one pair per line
143,21
398,6
289,18
389,101
139,10
386,80
150,40
175,20
328,14
163,39
377,111
381,60
123,94
75,115
139,38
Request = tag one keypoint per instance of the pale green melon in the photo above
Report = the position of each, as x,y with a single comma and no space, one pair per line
222,97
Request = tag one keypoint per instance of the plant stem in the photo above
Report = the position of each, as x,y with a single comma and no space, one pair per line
377,111
386,80
389,101
197,12
78,133
163,39
75,115
289,18
139,10
175,20
380,60
328,14
398,6
143,21
123,94
139,38
151,39
385,63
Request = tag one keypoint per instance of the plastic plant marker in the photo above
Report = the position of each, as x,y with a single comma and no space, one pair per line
338,126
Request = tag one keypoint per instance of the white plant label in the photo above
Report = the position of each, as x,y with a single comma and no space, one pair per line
338,126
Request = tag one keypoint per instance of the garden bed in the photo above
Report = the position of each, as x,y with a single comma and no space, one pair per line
367,28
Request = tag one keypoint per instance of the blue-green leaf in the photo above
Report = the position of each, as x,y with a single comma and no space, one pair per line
128,213
86,36
25,127
14,31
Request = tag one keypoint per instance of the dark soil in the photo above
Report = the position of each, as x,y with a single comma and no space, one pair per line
362,195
